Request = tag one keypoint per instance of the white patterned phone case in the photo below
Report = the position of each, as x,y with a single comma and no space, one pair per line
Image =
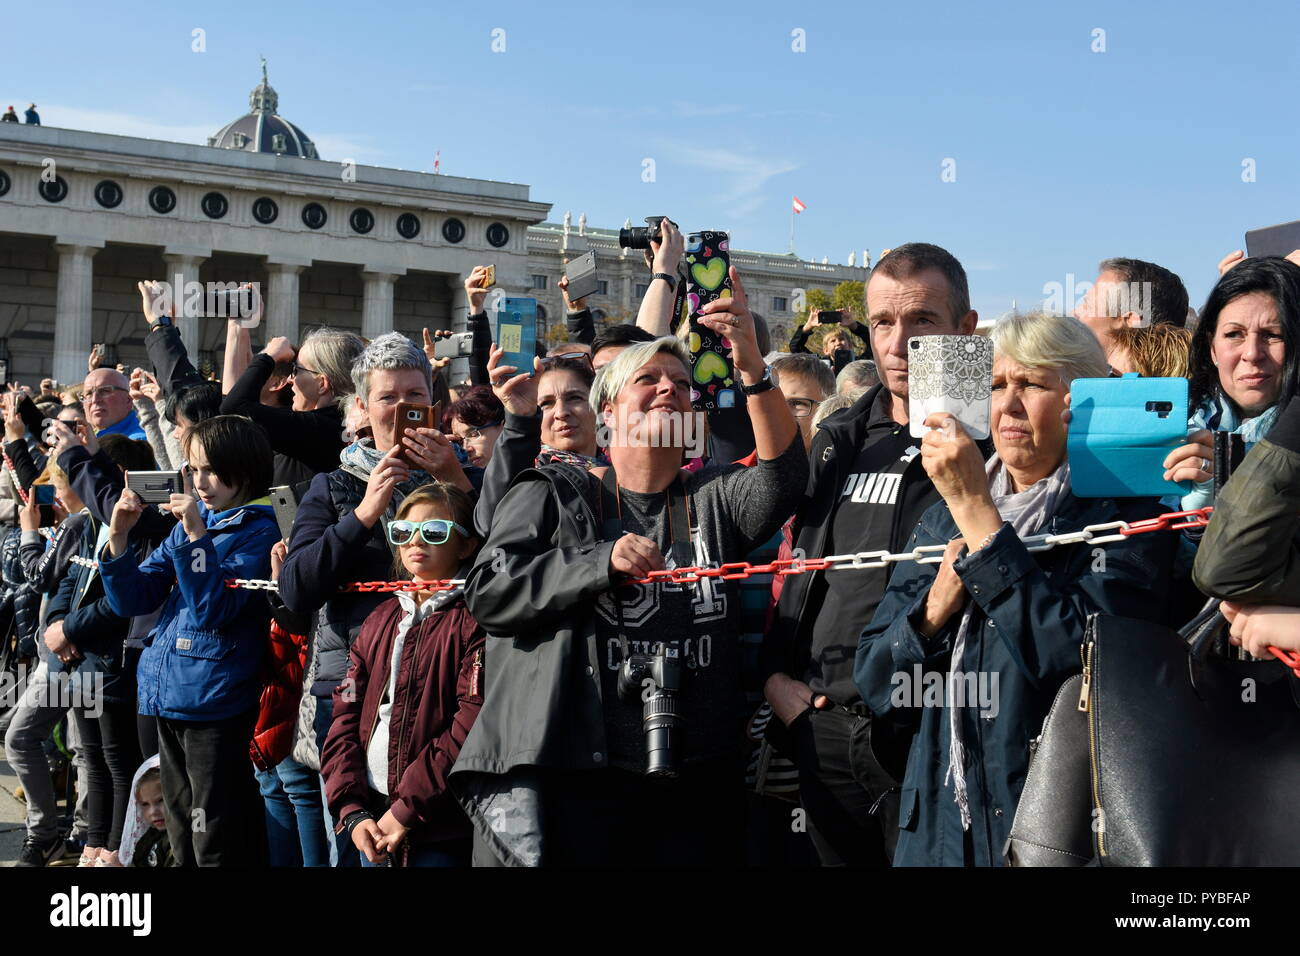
953,374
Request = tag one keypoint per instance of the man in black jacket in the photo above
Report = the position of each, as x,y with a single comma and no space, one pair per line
866,492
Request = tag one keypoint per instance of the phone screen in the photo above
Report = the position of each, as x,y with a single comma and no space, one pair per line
517,332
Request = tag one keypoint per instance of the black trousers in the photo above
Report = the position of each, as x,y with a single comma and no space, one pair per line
850,799
214,808
622,818
110,745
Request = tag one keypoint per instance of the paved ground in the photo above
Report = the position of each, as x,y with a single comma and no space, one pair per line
12,814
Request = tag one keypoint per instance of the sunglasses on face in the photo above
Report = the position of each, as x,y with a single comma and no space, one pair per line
298,368
433,531
552,359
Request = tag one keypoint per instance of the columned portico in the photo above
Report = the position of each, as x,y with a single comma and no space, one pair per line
72,311
182,269
377,305
281,298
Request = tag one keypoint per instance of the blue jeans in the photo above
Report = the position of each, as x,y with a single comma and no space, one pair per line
342,851
431,854
291,794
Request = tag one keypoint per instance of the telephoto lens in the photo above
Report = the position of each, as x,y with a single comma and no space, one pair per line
656,679
640,237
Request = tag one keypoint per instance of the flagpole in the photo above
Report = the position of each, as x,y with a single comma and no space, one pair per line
791,228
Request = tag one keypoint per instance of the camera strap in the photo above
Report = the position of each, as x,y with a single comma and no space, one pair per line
680,528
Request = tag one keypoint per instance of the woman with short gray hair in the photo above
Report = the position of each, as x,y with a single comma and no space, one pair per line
997,626
308,436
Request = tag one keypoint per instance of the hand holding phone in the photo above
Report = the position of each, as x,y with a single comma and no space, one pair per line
1122,430
953,374
409,417
517,331
708,278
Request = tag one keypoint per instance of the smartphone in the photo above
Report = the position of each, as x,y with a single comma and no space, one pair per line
582,276
284,502
953,374
830,316
44,494
411,416
489,280
155,487
1121,431
1273,240
454,346
517,331
708,278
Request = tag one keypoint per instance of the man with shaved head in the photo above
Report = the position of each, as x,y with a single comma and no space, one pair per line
107,401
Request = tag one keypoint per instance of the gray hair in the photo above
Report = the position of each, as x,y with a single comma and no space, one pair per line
389,352
856,377
1059,342
829,407
809,366
332,353
612,378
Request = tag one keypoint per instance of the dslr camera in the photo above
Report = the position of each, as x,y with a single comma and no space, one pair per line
640,237
656,679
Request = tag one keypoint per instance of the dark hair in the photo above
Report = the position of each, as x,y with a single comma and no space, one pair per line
77,407
578,367
762,335
619,335
454,500
129,454
905,261
238,453
1279,280
479,408
1168,303
197,403
48,409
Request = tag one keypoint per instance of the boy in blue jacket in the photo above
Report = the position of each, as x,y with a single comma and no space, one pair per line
200,672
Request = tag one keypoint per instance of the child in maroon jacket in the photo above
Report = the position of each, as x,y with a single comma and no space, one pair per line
413,689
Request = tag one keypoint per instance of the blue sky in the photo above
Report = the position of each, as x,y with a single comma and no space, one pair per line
1063,156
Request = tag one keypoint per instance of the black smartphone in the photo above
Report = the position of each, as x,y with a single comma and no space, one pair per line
1273,240
44,494
830,316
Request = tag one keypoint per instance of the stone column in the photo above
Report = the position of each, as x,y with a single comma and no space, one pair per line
182,269
73,316
281,297
459,313
377,306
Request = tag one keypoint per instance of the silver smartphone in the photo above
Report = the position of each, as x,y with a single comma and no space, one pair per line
155,487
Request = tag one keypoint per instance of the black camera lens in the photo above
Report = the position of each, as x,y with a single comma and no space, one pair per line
638,237
662,726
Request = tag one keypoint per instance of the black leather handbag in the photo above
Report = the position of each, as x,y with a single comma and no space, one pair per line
1166,751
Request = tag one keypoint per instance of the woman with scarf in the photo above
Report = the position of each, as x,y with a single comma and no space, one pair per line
338,532
975,648
548,419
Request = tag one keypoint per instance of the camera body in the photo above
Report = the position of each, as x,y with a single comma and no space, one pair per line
656,680
155,487
640,237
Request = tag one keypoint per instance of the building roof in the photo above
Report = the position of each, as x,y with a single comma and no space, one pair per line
263,130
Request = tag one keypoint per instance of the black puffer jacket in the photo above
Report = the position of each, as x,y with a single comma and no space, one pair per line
25,599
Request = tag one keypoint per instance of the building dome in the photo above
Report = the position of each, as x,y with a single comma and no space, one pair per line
262,130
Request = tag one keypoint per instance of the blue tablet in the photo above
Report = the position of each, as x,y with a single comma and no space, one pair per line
1121,431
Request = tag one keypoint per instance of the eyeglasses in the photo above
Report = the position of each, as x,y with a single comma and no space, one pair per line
433,531
302,368
571,356
801,407
474,434
102,393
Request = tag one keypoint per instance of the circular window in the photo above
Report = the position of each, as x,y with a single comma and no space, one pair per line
108,194
453,230
162,200
4,182
54,191
497,235
214,205
361,220
408,225
265,210
313,215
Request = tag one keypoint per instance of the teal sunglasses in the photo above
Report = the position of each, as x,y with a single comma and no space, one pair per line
433,531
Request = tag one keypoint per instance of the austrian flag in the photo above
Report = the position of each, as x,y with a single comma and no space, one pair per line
799,204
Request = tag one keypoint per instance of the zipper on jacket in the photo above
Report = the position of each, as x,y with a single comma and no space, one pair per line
1085,691
1085,704
475,674
407,696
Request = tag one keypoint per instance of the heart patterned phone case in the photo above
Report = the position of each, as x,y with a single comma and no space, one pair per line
708,278
953,374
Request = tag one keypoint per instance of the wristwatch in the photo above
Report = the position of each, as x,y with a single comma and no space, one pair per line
764,384
670,279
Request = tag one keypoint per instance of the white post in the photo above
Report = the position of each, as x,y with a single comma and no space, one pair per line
377,306
73,316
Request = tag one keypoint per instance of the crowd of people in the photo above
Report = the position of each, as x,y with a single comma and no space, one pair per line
340,639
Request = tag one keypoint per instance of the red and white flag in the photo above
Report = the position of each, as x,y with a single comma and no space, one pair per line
437,162
799,205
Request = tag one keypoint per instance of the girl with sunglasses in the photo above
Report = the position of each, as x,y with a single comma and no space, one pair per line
413,689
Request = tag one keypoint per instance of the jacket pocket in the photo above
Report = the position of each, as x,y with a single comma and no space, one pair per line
202,645
907,809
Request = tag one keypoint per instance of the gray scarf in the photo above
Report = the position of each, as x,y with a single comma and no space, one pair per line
1026,511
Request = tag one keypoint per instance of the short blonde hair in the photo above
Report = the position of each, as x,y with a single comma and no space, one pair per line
612,378
1155,351
1058,342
